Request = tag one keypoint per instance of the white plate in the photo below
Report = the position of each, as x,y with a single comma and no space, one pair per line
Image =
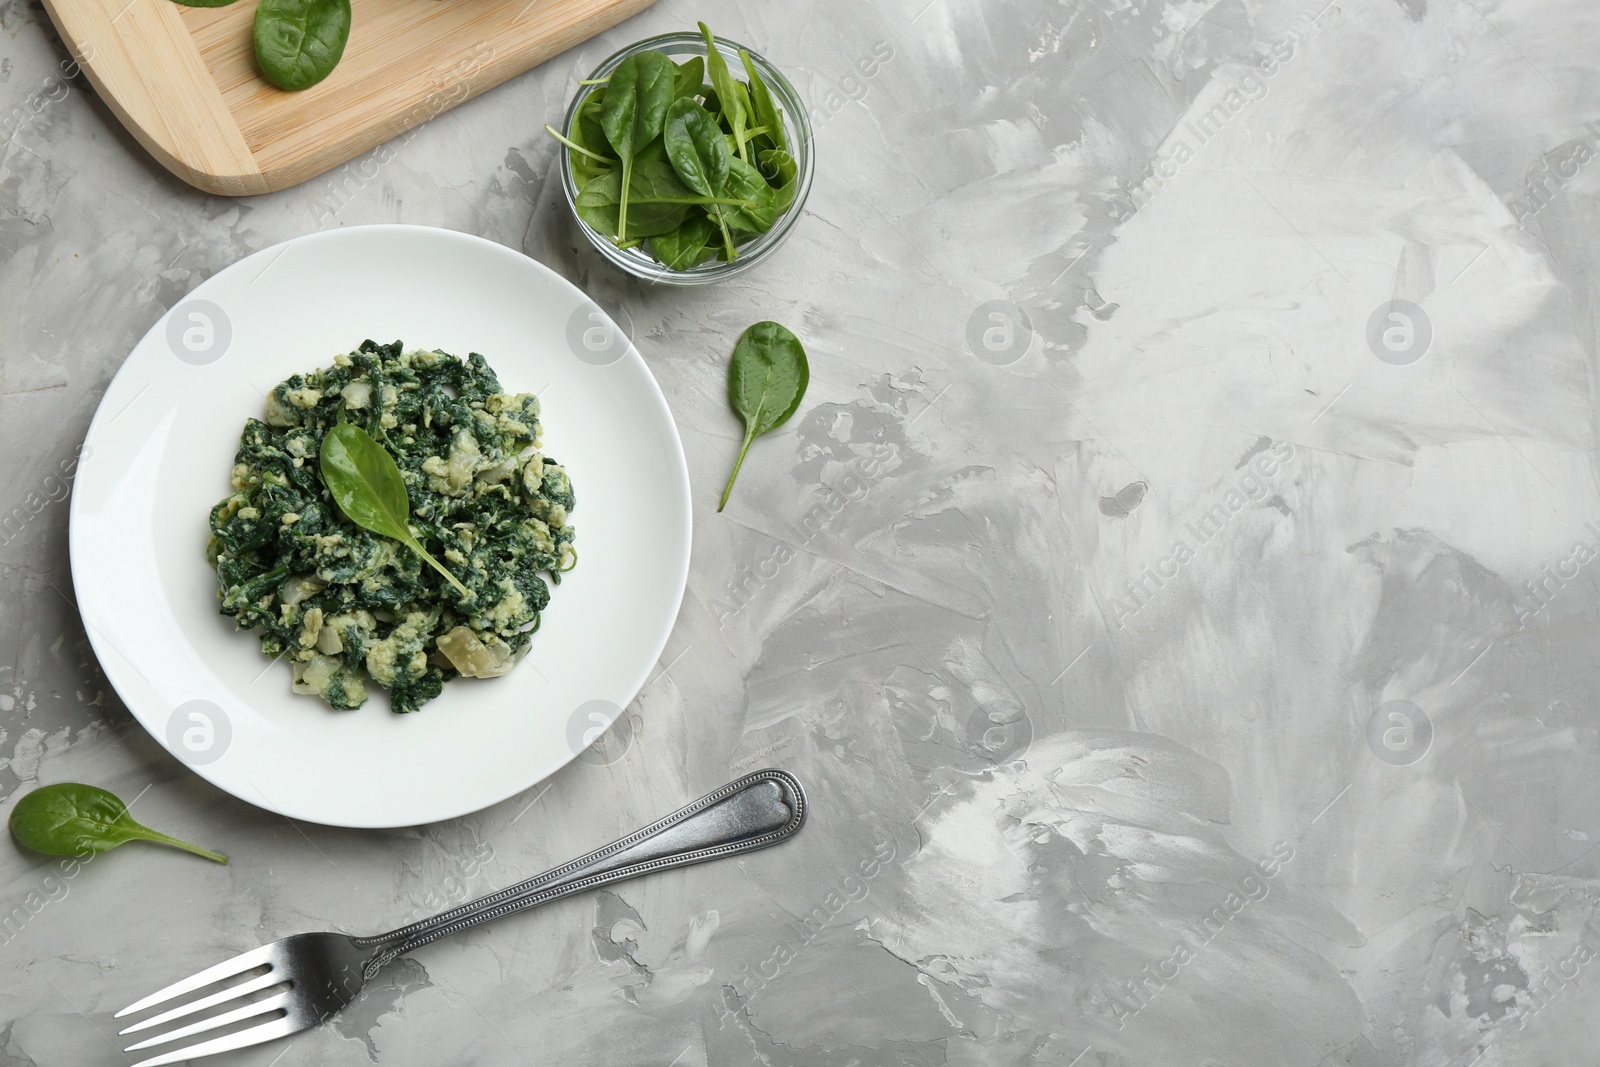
158,457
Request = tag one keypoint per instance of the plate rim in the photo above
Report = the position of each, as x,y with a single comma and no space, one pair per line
114,671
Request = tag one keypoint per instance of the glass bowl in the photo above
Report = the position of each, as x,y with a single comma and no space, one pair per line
636,260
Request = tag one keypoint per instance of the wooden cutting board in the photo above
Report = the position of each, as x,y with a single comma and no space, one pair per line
185,83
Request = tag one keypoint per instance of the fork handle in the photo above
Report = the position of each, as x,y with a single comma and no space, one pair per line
754,812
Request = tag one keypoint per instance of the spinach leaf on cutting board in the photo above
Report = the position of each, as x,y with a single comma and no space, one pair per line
299,42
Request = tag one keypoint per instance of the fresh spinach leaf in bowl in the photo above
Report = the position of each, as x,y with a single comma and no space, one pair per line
686,169
393,520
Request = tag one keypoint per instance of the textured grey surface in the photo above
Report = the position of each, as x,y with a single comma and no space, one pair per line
1200,677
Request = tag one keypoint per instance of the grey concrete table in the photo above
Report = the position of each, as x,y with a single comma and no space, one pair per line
1176,588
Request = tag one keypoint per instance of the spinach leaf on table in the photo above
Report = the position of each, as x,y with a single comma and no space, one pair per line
766,381
367,485
72,819
299,42
637,96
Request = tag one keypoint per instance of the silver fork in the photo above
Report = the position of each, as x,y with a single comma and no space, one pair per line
322,972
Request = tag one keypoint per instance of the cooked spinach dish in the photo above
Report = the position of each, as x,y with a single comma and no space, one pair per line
684,156
394,520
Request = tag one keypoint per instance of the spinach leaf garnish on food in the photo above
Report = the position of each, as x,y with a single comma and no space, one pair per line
766,381
72,819
367,485
685,170
299,42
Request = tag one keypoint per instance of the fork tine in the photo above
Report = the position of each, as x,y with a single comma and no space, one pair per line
242,962
279,1002
265,981
243,1039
